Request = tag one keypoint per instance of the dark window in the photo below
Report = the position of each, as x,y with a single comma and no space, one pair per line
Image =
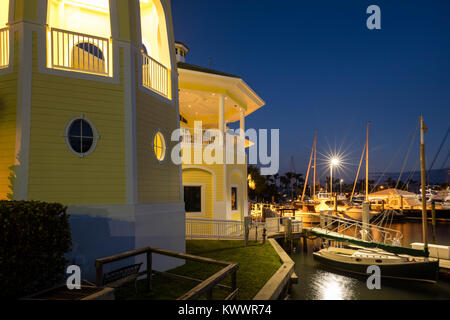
81,136
379,261
193,199
234,198
92,49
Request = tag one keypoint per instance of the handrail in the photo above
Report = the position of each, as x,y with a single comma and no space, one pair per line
198,228
80,52
155,76
346,224
4,47
204,287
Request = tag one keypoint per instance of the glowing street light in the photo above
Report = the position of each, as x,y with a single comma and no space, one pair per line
334,162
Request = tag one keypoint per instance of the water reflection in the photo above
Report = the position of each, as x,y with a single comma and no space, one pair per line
317,282
329,286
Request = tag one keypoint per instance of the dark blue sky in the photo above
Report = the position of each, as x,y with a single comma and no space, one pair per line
318,67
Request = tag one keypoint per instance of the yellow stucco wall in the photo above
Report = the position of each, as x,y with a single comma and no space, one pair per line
8,100
56,174
192,176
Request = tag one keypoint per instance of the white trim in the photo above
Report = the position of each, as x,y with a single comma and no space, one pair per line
240,84
149,91
114,19
202,213
94,130
164,148
42,14
214,186
125,212
23,120
42,51
225,193
130,124
12,5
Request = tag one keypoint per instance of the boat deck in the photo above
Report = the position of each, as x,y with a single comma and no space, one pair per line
444,264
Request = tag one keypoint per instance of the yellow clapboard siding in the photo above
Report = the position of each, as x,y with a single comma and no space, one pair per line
55,89
218,170
8,100
206,178
56,174
157,182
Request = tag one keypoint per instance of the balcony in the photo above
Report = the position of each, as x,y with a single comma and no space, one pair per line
155,76
79,52
4,48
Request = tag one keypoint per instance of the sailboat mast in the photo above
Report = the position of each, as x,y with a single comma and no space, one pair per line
424,199
314,178
309,168
357,174
367,162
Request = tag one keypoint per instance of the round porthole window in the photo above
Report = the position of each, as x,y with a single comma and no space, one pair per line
159,146
81,136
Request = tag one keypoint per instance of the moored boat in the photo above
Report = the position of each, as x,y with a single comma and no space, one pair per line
394,266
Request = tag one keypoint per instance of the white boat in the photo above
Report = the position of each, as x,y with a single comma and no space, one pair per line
344,210
391,265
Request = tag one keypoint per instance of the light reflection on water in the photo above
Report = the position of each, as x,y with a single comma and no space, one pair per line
330,286
317,282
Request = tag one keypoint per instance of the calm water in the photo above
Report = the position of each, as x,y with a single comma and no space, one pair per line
319,283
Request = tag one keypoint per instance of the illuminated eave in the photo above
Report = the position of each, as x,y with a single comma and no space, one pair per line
233,87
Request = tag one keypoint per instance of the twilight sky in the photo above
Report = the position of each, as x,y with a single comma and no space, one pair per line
318,67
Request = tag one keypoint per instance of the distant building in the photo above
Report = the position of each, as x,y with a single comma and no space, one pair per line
395,199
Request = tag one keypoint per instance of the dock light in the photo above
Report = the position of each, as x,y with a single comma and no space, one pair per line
334,162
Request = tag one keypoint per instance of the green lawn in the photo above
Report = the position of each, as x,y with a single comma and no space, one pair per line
257,264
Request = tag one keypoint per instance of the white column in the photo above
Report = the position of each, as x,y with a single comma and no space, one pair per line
242,124
222,113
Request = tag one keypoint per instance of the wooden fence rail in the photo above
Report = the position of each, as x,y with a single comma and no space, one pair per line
204,288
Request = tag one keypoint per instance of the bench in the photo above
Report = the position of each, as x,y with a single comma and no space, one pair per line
118,278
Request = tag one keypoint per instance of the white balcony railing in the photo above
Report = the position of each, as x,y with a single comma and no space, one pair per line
188,135
155,76
79,52
214,229
4,48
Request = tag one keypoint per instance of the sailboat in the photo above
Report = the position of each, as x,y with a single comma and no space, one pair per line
358,260
399,266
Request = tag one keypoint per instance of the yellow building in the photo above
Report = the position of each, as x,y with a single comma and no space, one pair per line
88,101
216,99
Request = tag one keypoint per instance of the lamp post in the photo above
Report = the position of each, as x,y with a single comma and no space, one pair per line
341,182
333,163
